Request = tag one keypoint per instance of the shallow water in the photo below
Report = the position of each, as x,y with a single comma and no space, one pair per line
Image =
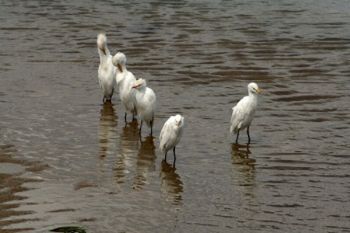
66,159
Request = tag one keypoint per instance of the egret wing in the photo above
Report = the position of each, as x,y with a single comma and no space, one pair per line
165,133
238,115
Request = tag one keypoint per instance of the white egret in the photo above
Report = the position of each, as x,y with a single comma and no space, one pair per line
106,70
170,134
145,103
243,112
125,80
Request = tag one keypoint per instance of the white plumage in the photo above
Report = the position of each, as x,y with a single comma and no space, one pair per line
170,134
145,103
125,79
106,70
243,112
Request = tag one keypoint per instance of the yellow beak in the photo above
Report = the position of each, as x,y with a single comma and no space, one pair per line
259,90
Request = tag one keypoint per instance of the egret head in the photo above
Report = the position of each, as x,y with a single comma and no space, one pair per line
253,88
102,42
119,60
138,84
179,120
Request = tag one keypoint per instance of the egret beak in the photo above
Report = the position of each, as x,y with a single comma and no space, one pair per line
259,90
179,122
120,68
103,50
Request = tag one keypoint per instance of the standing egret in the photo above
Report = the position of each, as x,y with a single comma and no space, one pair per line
243,112
125,80
145,103
106,70
170,134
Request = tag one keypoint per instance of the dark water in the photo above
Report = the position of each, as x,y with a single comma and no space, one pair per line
65,159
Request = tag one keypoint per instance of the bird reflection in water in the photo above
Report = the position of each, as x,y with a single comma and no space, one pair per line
107,130
245,166
128,148
145,162
171,184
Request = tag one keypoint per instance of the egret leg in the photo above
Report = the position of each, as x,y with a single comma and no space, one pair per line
140,128
125,117
174,157
152,127
134,112
237,137
165,155
248,135
152,124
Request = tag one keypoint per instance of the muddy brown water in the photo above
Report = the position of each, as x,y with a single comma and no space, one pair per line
66,159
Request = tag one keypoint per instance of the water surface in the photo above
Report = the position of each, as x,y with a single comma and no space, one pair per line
66,159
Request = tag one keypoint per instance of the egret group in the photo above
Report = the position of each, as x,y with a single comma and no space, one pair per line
140,100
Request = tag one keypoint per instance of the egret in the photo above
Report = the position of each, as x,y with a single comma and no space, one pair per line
106,70
170,134
243,112
125,80
145,103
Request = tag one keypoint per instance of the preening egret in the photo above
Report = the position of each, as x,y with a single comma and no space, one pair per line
106,70
125,80
145,103
170,134
243,112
